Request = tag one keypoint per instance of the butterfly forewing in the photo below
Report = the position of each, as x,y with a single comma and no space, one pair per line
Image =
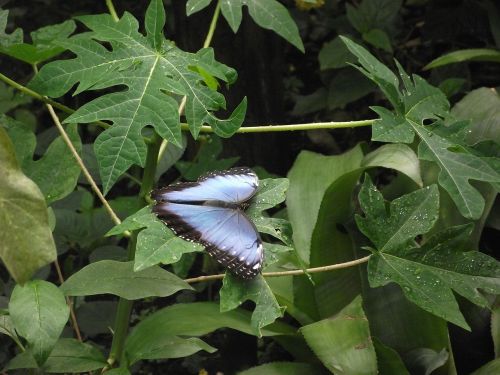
233,186
208,211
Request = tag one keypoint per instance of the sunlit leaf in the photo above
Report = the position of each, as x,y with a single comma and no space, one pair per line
155,76
26,238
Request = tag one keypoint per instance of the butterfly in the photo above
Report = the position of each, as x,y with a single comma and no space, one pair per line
210,211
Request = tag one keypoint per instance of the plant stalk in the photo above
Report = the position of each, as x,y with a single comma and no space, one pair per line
125,306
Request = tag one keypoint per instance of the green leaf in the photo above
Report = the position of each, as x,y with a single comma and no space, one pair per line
153,78
425,360
284,368
170,157
374,14
73,356
335,55
68,356
193,6
378,38
206,160
389,361
268,14
476,54
7,40
426,271
7,327
377,72
39,313
11,98
457,168
235,291
157,345
118,278
44,43
26,238
492,367
482,108
231,10
395,156
407,217
155,244
342,342
56,172
96,317
154,22
196,319
309,177
347,86
421,101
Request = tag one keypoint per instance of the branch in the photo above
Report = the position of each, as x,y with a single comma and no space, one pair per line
331,267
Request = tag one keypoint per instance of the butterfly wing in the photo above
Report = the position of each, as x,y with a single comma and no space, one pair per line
235,185
227,234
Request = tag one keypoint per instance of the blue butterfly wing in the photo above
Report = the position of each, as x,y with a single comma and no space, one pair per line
235,185
227,234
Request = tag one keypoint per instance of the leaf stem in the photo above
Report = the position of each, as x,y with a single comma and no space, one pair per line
330,267
293,127
112,10
122,317
125,306
213,25
69,302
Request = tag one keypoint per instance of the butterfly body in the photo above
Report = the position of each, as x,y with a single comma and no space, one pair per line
210,211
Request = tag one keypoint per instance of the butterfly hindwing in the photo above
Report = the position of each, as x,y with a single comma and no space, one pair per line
227,234
234,186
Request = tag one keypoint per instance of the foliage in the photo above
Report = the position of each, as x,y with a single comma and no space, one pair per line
407,218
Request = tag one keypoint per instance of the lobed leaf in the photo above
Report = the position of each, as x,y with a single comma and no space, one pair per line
235,291
416,103
154,71
426,273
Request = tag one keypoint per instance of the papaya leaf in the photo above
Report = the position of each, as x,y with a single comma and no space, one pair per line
268,14
418,102
235,291
155,73
429,272
43,46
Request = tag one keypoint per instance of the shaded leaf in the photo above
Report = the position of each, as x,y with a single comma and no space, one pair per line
347,86
309,177
334,55
374,14
378,38
268,14
395,156
424,360
157,345
342,342
206,160
196,319
477,54
118,278
149,74
284,368
39,313
7,40
492,367
235,291
26,238
44,43
389,361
